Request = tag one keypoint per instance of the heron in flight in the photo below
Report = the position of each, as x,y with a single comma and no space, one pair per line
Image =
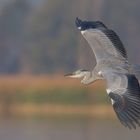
113,67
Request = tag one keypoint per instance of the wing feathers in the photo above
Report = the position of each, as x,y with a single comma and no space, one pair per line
105,43
129,111
127,104
115,41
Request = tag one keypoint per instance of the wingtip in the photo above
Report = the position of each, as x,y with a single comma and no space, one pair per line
129,116
78,22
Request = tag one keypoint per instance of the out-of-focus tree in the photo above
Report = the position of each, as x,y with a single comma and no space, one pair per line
123,16
44,39
12,20
54,43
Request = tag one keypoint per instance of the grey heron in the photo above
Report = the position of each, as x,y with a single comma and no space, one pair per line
112,66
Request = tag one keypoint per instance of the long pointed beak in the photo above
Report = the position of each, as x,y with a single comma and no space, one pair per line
68,75
72,75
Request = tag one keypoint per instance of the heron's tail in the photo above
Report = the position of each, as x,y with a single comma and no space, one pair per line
136,70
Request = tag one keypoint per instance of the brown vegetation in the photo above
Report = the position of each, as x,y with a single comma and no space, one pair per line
9,85
97,111
24,82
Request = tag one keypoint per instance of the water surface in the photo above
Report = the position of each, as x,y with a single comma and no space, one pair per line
65,129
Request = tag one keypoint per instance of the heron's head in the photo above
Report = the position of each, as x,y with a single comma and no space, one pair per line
77,74
85,25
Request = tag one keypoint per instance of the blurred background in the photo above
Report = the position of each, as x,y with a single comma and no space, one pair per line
39,43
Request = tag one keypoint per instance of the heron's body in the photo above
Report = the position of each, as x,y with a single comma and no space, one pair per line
113,67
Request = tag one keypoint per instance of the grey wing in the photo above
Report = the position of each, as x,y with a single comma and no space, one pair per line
105,44
124,91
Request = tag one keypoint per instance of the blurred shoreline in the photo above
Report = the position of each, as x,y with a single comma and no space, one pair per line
51,95
97,111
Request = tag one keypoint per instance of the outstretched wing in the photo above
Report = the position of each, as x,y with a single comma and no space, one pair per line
105,44
124,91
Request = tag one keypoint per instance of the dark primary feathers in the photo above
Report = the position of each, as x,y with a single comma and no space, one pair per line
88,24
114,38
126,103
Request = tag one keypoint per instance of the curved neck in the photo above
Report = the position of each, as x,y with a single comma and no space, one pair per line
87,75
90,77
